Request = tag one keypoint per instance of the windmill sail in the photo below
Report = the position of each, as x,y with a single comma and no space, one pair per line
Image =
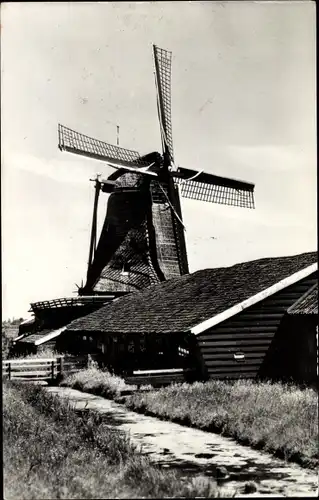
74,142
163,67
215,189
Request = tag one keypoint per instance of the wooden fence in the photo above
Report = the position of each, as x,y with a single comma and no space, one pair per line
53,369
42,369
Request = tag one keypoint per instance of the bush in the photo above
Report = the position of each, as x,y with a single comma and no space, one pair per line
97,382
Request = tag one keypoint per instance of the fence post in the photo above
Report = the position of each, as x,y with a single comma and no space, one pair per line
9,371
52,370
61,366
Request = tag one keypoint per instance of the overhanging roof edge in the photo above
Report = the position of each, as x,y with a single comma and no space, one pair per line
277,287
50,336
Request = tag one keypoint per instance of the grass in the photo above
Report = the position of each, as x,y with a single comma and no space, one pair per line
278,418
53,452
43,352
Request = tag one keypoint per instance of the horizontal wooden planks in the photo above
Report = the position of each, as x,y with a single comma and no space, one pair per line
232,376
235,369
233,365
155,379
224,362
244,329
29,369
272,318
22,361
250,332
33,373
229,356
236,336
38,366
44,369
233,348
31,379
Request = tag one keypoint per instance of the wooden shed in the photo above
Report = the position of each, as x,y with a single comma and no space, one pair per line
229,322
299,339
49,319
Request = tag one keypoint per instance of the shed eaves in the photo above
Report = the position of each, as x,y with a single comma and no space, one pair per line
181,303
307,304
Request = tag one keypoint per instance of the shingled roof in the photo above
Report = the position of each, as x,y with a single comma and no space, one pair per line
179,304
307,304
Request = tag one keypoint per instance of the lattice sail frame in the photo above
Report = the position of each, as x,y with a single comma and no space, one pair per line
214,193
74,142
204,188
163,67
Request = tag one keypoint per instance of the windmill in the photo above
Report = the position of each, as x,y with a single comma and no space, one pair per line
142,240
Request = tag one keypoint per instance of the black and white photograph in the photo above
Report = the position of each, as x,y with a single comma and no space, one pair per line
159,249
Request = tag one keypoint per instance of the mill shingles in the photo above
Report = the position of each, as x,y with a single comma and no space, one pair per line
183,302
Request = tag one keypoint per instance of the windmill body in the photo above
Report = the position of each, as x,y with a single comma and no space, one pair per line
142,240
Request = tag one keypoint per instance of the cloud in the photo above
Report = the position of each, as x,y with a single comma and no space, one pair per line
66,169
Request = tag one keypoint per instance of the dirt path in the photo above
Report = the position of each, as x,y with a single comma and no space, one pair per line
198,452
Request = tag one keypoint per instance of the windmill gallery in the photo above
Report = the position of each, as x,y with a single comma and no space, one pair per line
140,310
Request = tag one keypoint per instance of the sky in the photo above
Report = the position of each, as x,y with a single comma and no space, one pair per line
243,106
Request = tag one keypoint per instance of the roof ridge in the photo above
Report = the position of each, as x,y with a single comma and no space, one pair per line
255,260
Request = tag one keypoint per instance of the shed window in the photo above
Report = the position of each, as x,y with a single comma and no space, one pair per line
239,357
